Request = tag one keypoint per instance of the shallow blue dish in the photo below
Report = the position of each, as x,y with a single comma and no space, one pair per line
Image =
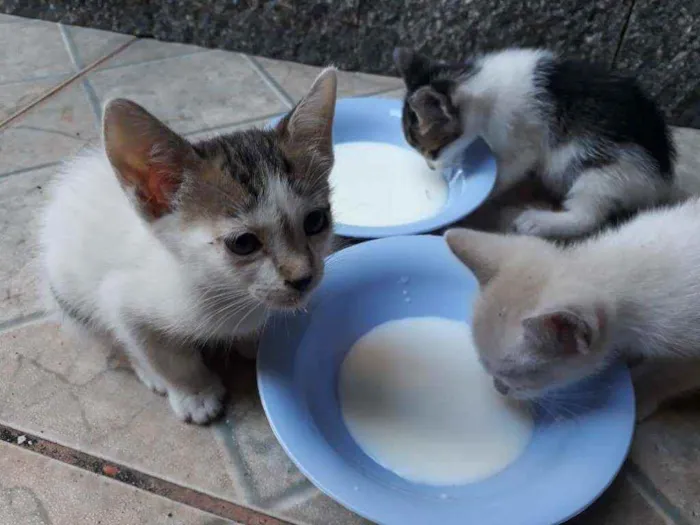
379,120
576,449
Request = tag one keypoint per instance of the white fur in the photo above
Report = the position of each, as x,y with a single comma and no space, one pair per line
99,254
641,282
502,104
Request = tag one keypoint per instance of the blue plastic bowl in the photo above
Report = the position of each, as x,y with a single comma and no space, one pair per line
575,451
379,120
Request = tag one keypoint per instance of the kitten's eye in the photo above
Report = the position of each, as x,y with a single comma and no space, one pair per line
244,244
315,222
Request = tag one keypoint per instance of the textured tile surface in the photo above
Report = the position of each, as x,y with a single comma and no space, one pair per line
621,504
250,441
192,92
667,450
91,44
21,196
318,509
35,490
50,131
296,79
37,51
81,395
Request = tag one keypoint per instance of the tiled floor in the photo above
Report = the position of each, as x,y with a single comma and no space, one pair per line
75,421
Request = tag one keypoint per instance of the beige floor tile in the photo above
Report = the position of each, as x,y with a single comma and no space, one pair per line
10,19
21,197
37,51
18,95
319,509
621,504
81,396
36,490
667,449
275,484
296,79
265,466
397,94
91,44
192,92
50,132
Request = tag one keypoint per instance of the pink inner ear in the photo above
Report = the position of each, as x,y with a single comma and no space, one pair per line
560,326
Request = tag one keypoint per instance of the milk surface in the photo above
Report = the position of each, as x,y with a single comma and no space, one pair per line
415,399
379,184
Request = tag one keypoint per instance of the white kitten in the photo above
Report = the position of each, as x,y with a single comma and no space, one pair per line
548,315
161,245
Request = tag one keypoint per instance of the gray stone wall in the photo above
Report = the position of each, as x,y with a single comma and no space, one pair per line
657,41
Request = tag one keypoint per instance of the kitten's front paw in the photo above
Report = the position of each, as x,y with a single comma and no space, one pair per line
153,382
200,407
531,222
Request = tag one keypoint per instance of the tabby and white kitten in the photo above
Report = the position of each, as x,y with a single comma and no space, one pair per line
593,138
548,315
161,245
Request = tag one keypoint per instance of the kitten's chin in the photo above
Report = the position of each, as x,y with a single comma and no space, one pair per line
288,303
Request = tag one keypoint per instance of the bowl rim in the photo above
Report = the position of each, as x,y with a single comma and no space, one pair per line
617,448
446,216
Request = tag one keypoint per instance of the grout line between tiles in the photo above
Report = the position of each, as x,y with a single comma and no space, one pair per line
135,478
25,320
70,47
293,496
7,121
653,496
94,101
19,171
153,60
271,82
74,54
38,78
234,465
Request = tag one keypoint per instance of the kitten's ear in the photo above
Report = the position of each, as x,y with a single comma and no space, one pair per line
309,126
148,157
481,252
563,332
413,67
432,108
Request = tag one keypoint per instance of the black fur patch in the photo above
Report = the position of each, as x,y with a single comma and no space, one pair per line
587,101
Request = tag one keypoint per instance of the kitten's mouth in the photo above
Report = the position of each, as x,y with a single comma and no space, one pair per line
287,302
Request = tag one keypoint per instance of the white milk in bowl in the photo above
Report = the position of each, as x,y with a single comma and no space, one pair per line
416,399
379,184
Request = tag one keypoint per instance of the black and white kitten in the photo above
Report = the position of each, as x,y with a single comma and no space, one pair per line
593,138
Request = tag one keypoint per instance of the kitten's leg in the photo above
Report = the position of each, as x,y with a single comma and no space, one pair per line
163,363
593,198
659,381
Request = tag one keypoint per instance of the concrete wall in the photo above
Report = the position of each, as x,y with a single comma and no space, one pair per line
656,40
